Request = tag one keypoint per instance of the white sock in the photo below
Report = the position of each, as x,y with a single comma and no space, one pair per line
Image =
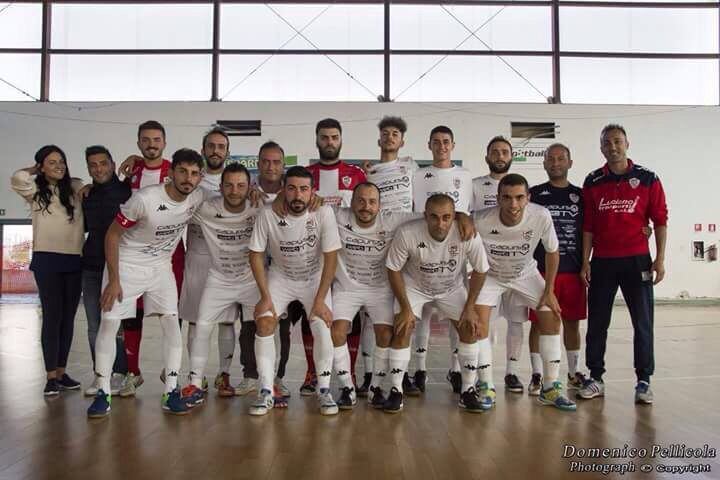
551,352
398,360
454,341
200,351
105,351
484,361
468,356
322,352
421,340
367,344
226,346
172,349
341,363
380,363
514,343
573,358
265,360
536,363
190,337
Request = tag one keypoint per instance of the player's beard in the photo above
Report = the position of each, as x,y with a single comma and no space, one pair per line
152,153
214,162
296,206
367,219
329,154
494,168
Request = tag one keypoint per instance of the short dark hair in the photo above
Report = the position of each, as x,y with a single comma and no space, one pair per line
187,155
397,122
216,131
442,129
498,138
151,125
439,198
513,180
268,145
97,150
299,172
557,145
235,167
328,123
363,185
612,126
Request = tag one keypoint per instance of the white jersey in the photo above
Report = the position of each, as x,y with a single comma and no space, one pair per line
485,192
269,199
394,180
510,249
196,244
228,239
158,224
361,262
296,244
455,182
431,267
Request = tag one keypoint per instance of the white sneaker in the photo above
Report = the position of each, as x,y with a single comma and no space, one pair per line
247,385
130,384
263,403
92,390
327,404
116,383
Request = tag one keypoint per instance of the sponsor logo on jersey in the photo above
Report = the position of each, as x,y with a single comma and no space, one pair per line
618,205
508,250
563,210
298,245
162,207
399,183
364,244
634,182
454,195
527,235
453,250
346,181
439,267
574,197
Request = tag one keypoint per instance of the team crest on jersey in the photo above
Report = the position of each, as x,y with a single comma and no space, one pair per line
634,182
310,224
456,183
403,170
250,220
453,250
574,197
527,235
381,233
346,181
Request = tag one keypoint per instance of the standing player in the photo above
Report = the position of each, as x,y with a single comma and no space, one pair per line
138,249
303,246
511,232
227,224
427,263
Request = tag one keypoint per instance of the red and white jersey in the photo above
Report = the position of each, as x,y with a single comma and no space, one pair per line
143,176
335,183
155,224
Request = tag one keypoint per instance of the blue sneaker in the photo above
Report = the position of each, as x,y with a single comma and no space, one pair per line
192,395
100,406
174,404
486,395
555,398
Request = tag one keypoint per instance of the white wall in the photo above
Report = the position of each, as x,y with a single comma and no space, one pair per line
681,144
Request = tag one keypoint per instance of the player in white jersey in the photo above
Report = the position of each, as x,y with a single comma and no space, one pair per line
427,263
139,246
303,246
227,224
511,232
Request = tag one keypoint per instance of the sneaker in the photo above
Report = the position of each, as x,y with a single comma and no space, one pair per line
394,402
591,388
116,383
643,393
247,385
455,379
486,395
309,386
326,402
535,386
100,407
67,383
162,376
364,389
348,398
174,404
263,403
192,395
513,384
575,382
376,399
222,383
132,382
52,387
409,387
92,390
420,380
281,389
555,398
470,402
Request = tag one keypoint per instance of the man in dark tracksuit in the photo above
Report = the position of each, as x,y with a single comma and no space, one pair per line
620,198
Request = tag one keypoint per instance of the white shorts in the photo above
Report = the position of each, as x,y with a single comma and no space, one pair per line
524,292
379,306
219,301
155,284
449,305
284,291
195,274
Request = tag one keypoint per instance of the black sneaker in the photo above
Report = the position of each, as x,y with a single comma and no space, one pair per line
409,386
362,390
512,383
52,388
394,403
67,383
455,380
376,397
347,399
420,379
470,402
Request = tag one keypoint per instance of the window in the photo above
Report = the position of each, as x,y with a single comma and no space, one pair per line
22,71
